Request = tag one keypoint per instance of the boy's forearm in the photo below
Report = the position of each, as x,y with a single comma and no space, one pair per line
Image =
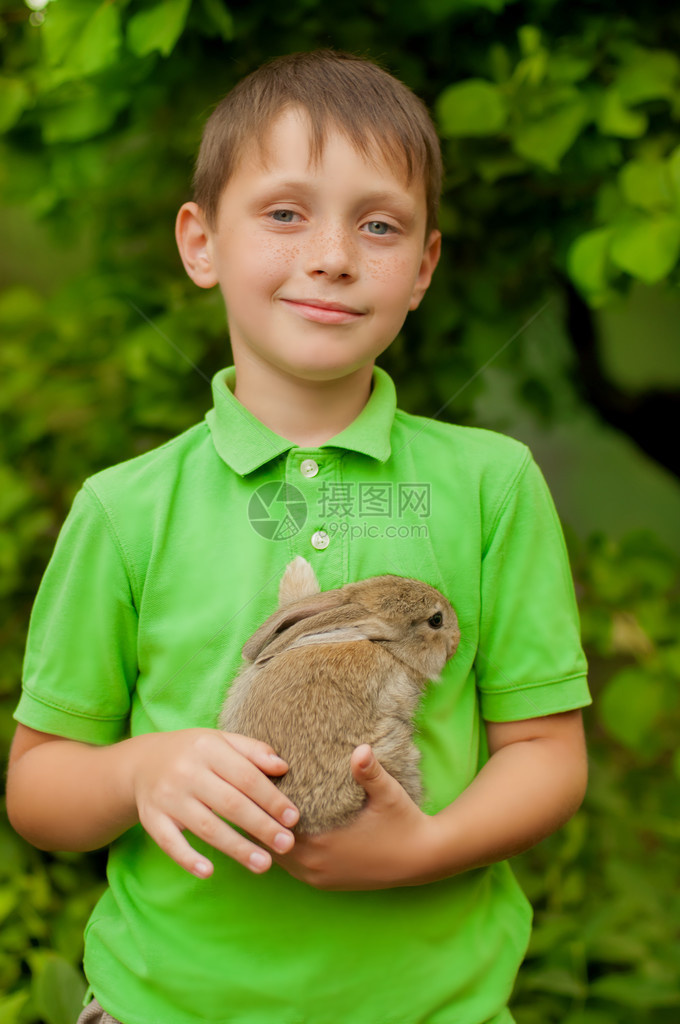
66,795
218,786
526,791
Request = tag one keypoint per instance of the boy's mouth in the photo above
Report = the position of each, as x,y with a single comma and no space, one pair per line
323,312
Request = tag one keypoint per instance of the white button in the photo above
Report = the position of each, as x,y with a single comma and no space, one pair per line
320,540
308,467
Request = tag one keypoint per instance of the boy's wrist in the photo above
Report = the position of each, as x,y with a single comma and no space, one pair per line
444,847
436,848
129,756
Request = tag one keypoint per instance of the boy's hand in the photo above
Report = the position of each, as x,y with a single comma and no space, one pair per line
533,782
385,846
192,778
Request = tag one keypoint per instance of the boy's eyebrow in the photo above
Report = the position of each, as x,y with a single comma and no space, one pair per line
405,207
384,197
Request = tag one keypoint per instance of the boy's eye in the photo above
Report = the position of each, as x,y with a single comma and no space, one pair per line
378,227
283,216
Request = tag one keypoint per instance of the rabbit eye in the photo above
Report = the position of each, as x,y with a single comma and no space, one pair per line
436,620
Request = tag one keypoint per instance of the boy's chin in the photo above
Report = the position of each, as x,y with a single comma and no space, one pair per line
317,370
325,367
314,374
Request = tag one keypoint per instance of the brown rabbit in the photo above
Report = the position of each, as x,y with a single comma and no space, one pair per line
331,670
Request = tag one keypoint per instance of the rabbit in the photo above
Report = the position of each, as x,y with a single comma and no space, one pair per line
331,670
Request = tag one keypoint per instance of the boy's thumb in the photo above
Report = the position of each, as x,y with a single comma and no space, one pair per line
366,767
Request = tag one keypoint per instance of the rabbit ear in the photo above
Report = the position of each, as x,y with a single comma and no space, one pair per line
342,635
284,618
298,581
333,625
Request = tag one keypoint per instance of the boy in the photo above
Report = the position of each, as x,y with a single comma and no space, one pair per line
315,212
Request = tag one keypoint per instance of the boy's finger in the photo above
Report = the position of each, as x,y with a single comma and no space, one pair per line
382,789
168,836
232,844
171,840
219,803
261,754
366,768
244,777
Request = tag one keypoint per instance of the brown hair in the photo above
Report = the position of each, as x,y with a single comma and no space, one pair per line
374,110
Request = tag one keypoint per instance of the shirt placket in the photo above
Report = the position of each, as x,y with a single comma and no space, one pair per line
322,540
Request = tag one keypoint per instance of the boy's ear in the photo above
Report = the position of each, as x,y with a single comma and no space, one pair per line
431,253
194,241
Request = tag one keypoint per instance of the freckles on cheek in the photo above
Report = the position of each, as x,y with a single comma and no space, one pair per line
381,270
389,269
273,260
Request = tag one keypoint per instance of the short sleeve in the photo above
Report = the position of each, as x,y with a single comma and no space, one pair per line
530,661
80,664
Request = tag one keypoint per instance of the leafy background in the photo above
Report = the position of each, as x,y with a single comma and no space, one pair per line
554,317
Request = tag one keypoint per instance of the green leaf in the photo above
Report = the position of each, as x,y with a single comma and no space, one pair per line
11,1007
631,705
546,139
609,204
98,45
533,66
647,184
649,75
613,117
57,987
529,38
63,23
81,38
90,113
568,67
473,107
157,28
14,98
531,70
647,247
588,259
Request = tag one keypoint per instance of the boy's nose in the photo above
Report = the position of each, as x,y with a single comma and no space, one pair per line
331,253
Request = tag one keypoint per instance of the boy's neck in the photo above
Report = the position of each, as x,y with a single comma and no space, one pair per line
308,413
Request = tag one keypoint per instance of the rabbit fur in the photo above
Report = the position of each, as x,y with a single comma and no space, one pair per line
331,670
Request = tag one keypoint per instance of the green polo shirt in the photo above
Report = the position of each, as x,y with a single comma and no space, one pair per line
165,566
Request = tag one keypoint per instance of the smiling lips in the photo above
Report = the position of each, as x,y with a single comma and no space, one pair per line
323,312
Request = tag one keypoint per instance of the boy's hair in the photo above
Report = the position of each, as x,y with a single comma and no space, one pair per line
375,111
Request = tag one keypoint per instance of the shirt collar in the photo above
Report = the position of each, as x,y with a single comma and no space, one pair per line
245,444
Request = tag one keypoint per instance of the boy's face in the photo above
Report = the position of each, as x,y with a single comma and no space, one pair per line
318,263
